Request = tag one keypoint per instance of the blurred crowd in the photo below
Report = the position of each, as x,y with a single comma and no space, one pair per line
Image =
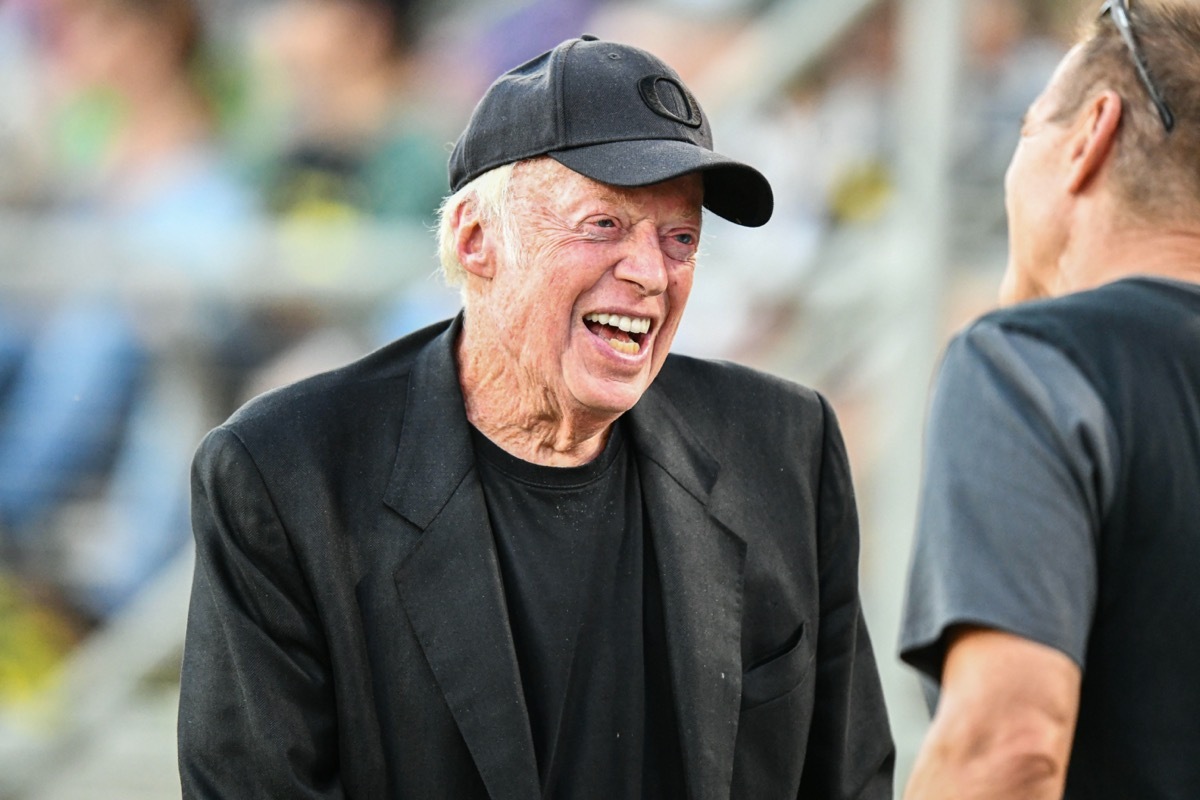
200,200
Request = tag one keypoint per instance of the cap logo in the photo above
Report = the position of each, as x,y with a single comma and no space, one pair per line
667,98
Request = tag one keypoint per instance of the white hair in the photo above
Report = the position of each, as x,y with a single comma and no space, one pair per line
489,192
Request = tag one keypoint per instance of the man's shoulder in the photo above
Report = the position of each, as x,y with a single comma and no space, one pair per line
1125,315
350,393
769,438
706,382
1126,299
735,406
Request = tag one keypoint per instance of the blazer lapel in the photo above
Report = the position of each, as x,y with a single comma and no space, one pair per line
701,569
450,583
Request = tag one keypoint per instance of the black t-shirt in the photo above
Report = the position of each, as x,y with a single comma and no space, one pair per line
586,616
1082,405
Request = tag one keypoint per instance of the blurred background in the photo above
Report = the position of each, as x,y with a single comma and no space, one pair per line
202,199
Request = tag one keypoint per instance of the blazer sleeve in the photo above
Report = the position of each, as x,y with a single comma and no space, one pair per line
256,712
850,749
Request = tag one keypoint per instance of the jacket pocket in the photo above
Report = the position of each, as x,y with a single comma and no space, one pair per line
780,672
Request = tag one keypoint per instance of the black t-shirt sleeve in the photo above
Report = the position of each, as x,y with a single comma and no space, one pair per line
1019,468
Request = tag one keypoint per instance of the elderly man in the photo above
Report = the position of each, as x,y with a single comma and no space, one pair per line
1053,591
526,553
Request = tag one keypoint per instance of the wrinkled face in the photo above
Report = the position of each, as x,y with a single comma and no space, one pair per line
1036,196
587,300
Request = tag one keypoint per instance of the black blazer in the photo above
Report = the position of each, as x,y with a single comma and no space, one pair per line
348,635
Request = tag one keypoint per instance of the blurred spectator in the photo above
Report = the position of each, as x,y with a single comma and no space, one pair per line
142,173
145,156
360,145
360,151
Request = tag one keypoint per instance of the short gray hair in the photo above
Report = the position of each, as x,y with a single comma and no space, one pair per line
1155,173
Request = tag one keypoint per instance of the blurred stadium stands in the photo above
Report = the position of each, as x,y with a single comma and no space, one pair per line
884,126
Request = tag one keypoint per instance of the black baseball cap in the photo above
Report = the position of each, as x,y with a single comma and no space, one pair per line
610,112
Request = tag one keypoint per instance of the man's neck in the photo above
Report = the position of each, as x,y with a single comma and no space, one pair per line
1161,252
523,418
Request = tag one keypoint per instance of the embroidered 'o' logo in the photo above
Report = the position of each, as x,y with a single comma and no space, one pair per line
667,98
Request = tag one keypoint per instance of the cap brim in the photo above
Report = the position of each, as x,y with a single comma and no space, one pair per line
732,190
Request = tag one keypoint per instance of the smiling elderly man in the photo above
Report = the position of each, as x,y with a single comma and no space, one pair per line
526,553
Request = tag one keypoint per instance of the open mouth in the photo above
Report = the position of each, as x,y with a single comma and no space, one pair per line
624,334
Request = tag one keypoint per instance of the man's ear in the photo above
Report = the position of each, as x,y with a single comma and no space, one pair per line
474,243
1092,141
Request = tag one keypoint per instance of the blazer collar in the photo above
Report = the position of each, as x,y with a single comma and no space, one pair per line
701,562
451,581
450,584
435,451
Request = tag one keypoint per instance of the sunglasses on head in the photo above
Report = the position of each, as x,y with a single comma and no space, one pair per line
1119,11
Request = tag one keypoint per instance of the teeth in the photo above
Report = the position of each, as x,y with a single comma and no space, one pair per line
627,324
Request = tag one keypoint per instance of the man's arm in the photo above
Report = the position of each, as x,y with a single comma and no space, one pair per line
1019,469
850,750
256,710
1004,722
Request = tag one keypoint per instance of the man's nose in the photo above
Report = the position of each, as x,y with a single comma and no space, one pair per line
644,263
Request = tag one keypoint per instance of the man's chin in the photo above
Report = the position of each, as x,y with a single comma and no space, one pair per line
609,398
604,386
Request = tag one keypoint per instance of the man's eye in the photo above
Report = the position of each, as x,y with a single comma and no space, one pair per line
680,246
606,223
684,239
